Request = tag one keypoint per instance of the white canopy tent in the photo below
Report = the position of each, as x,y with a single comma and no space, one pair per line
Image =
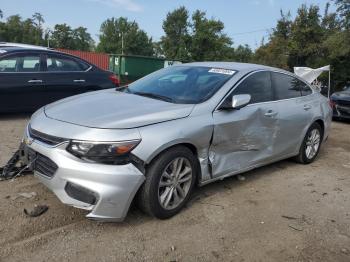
310,74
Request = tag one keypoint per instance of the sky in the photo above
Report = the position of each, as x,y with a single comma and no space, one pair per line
246,21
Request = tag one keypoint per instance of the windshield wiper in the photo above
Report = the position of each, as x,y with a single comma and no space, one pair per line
155,96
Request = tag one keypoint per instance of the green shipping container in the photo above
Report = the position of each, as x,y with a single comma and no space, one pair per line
130,67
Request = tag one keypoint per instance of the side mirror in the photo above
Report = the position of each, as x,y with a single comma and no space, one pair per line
236,102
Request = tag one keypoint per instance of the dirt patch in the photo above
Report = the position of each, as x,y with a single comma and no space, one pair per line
282,212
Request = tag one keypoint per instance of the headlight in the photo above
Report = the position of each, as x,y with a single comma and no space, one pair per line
103,152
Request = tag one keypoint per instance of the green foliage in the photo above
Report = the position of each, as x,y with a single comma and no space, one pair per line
30,31
343,7
63,36
176,42
198,40
311,40
209,42
122,36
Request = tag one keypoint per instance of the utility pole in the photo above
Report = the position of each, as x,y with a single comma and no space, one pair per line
122,36
48,31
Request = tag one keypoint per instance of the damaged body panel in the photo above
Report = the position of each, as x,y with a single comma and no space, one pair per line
216,119
242,138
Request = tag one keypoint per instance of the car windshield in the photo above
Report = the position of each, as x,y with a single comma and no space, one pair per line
346,88
181,84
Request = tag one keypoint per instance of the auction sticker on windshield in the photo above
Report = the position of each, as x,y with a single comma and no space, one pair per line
222,71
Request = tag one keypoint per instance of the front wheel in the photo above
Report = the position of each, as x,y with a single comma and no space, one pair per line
311,145
169,183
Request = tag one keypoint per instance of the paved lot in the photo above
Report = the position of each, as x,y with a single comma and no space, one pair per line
282,212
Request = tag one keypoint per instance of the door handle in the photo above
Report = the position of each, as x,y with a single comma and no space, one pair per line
79,81
271,113
35,81
307,107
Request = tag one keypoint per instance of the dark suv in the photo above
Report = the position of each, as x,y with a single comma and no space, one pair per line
31,77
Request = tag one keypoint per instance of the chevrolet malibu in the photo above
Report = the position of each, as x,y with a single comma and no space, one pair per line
186,125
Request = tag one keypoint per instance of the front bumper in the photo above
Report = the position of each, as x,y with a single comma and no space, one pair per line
105,190
341,111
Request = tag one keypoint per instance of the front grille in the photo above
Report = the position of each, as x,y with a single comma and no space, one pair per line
343,103
45,165
45,138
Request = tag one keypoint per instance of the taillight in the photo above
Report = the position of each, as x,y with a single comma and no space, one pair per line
331,103
114,79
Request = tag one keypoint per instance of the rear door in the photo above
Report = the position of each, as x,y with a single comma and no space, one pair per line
21,82
295,111
246,137
64,76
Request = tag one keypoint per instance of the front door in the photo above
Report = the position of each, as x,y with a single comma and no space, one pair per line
246,137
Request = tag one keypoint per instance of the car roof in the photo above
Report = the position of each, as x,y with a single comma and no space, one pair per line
241,67
17,46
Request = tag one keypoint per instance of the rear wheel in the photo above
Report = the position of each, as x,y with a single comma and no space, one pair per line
169,183
311,144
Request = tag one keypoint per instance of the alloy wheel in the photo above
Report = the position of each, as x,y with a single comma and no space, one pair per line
312,143
175,183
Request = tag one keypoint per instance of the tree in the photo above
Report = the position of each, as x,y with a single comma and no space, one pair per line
82,40
1,14
63,36
343,7
118,35
276,51
176,42
208,42
38,20
243,53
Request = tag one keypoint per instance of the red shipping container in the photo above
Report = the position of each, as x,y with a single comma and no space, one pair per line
100,60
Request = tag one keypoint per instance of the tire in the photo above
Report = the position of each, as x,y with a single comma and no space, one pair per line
305,156
151,198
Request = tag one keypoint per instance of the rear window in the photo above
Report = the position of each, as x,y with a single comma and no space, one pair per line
286,86
57,63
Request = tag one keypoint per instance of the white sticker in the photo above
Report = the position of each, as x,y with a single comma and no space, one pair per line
222,71
2,51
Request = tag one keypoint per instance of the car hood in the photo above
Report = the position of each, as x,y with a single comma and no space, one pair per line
115,110
345,95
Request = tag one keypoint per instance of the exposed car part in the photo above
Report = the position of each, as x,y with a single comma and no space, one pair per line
15,166
38,210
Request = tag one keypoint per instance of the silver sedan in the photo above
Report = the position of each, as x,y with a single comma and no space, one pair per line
182,126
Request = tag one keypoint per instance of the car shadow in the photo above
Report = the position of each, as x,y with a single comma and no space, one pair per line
14,116
136,216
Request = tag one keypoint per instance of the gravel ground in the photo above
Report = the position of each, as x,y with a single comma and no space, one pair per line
282,212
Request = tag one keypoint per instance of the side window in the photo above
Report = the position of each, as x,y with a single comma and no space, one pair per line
29,63
63,64
305,89
258,86
8,64
286,86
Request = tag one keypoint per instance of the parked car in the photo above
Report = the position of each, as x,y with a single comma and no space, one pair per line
341,103
176,128
31,77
